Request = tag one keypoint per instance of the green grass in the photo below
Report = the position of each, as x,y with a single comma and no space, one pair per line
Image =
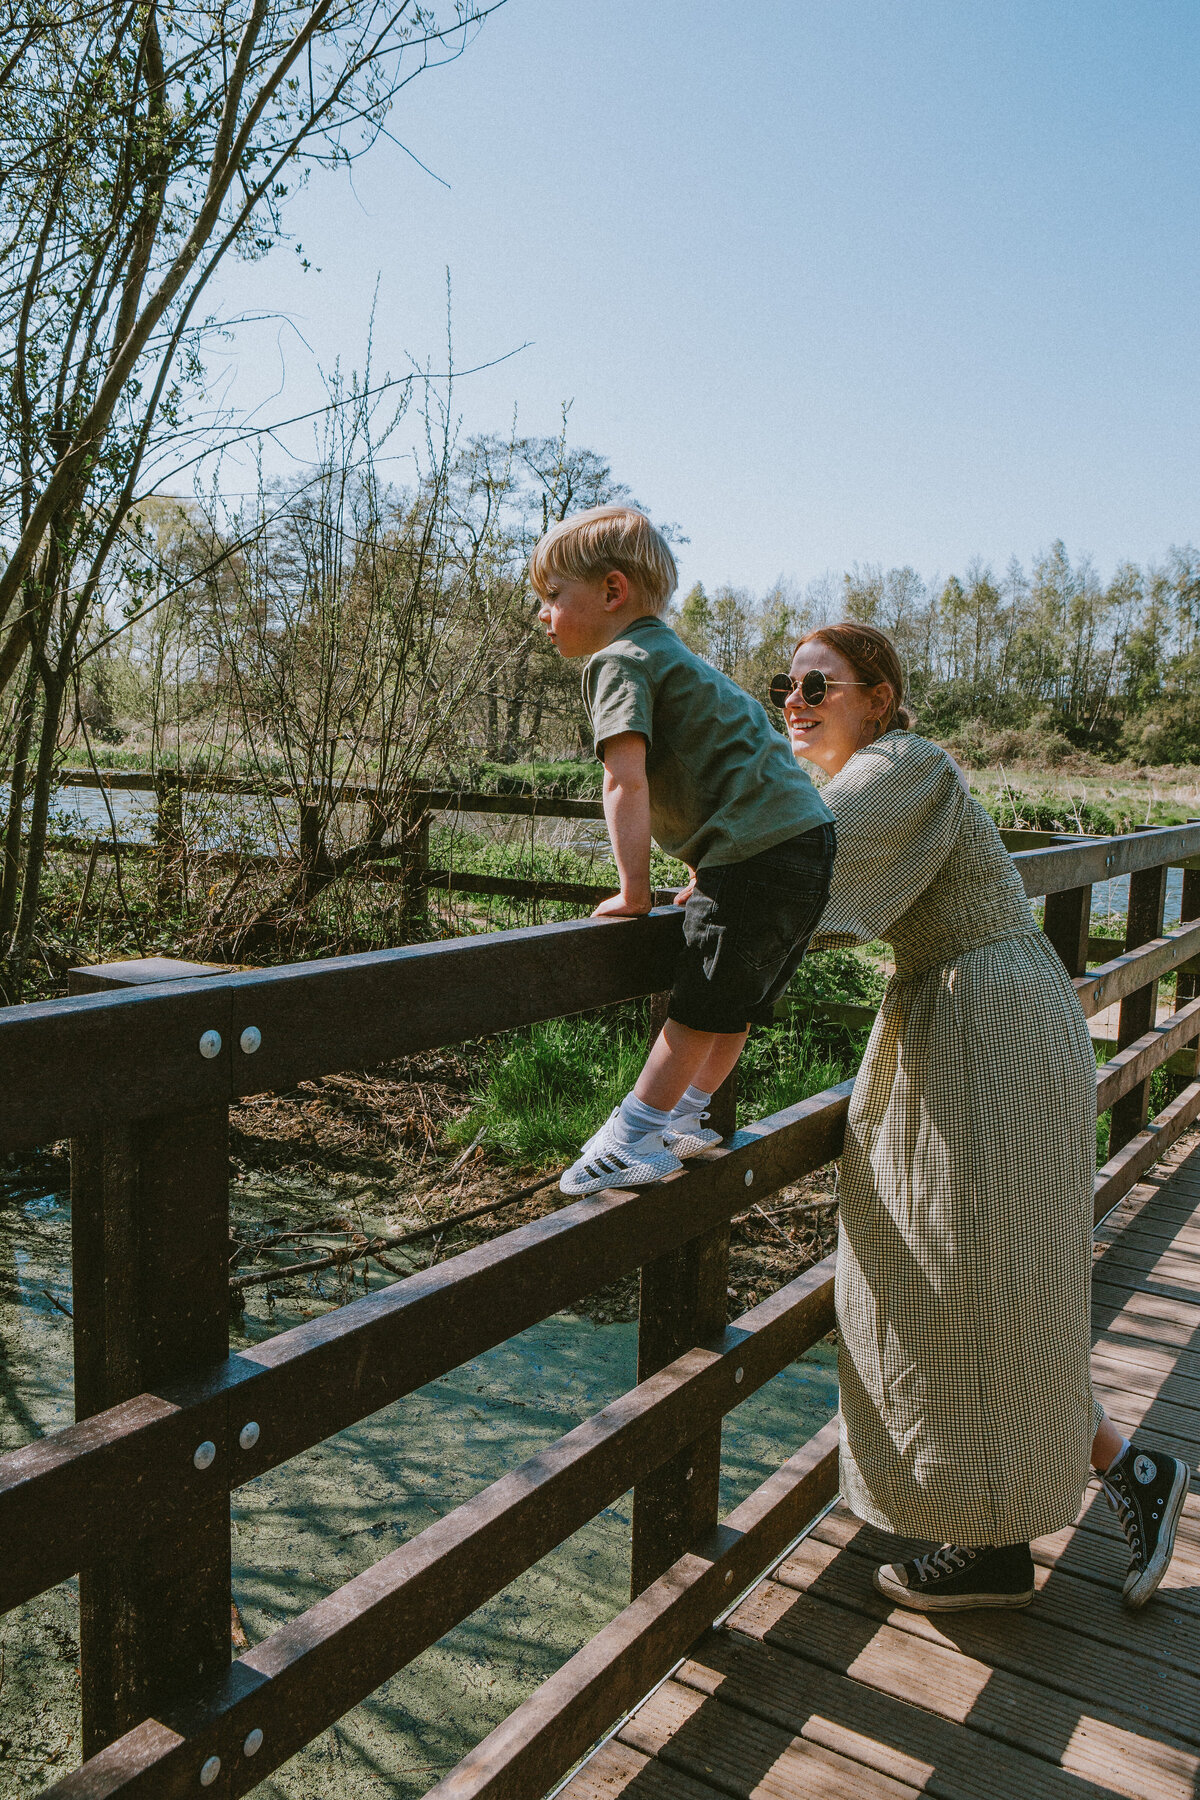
578,778
1163,1087
1107,805
541,1092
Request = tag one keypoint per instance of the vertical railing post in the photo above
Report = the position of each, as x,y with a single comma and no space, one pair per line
414,837
1066,922
1187,982
170,845
1144,921
684,1300
311,842
150,1253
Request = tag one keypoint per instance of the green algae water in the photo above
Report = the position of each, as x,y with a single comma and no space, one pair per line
303,1529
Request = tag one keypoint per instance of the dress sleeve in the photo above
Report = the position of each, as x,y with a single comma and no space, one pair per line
897,808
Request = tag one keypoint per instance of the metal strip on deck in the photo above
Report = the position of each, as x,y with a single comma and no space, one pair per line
816,1687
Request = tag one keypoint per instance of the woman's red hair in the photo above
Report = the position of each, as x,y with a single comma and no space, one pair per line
873,658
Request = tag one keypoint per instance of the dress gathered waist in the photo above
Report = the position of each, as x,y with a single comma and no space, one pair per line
913,963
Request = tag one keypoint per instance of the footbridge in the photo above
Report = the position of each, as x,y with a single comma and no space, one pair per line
754,1657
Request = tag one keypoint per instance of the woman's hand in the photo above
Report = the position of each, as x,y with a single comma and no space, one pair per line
685,893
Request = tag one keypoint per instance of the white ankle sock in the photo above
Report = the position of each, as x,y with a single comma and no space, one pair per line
634,1119
694,1100
1116,1459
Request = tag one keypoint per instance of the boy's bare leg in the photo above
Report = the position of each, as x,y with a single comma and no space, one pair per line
681,1058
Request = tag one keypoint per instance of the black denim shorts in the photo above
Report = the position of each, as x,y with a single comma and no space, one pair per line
745,928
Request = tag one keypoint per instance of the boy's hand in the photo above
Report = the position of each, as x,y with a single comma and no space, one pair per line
685,893
618,906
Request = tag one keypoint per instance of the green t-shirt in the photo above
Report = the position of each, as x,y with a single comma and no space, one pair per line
723,783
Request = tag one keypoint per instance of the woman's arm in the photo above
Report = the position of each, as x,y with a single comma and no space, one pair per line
897,809
627,814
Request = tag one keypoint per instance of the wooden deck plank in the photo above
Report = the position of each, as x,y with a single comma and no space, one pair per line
1144,1353
1135,1311
1150,1228
852,1714
1162,1268
616,1769
1147,1380
1100,1743
1162,1418
746,1755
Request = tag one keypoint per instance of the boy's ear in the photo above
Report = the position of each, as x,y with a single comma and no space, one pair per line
616,590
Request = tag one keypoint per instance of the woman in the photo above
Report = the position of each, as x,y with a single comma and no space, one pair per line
966,1182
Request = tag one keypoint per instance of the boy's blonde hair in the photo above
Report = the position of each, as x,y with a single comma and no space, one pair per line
586,546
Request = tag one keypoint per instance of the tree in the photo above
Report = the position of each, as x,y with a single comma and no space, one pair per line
141,146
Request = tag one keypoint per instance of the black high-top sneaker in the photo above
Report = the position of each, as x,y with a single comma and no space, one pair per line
1146,1489
953,1578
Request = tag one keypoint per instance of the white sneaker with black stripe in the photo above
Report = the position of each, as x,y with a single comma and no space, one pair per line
606,1162
687,1134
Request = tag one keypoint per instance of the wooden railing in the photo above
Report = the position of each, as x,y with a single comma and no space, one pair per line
135,1496
405,858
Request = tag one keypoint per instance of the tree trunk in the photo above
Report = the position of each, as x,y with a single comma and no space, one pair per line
493,718
10,878
35,853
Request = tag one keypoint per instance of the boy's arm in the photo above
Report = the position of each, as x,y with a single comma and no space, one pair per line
627,814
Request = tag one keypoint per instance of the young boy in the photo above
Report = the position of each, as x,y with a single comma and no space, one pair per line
690,758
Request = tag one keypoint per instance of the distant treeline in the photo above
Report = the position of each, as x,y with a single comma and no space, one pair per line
1052,656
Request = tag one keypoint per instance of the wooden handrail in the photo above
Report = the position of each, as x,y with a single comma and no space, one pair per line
562,1719
304,1385
313,1669
65,1496
1135,969
415,799
136,1054
1066,866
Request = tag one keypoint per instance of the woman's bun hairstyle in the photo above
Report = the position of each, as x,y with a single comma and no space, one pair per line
873,658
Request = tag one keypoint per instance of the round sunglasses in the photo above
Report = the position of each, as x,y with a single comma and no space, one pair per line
814,685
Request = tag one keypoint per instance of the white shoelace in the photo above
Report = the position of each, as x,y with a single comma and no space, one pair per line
947,1560
1127,1517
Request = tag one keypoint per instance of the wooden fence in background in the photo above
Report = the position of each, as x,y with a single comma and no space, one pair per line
135,1496
405,859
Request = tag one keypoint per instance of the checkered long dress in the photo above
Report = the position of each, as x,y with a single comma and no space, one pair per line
964,1250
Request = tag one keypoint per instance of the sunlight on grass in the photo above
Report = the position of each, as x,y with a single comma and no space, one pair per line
545,1090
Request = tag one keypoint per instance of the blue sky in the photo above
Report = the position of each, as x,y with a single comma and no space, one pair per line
826,280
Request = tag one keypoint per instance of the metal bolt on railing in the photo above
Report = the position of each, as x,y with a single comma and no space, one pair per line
253,1743
748,1178
209,1771
739,1375
210,1044
205,1454
248,1435
250,1039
